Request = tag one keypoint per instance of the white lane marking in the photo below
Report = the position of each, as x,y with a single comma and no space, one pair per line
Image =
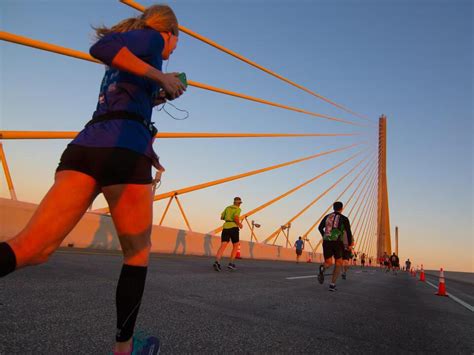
301,277
313,276
461,302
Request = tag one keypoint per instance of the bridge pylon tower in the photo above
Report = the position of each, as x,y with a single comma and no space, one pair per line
384,243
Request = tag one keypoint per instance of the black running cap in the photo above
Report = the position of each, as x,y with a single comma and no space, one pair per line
237,199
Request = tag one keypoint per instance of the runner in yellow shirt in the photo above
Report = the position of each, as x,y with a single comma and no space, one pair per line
230,232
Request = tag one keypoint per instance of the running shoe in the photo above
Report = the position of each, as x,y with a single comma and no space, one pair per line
217,266
231,266
343,276
145,344
321,274
332,288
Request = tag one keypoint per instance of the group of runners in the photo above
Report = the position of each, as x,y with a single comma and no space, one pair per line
335,230
390,262
338,244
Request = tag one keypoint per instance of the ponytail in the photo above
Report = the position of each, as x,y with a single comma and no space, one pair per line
161,18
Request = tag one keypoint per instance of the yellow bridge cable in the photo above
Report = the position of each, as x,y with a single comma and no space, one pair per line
307,182
374,230
274,234
346,205
367,198
366,186
369,238
250,173
337,198
142,8
365,223
357,217
161,135
349,200
364,213
243,175
265,102
368,244
362,231
374,239
374,247
239,176
366,236
10,37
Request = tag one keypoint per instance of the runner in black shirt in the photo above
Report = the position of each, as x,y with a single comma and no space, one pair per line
336,232
395,263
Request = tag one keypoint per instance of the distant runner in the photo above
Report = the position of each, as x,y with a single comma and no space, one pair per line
299,245
408,265
230,232
362,260
386,261
346,259
395,263
332,229
370,261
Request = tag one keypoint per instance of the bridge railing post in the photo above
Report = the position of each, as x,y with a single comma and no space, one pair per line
6,171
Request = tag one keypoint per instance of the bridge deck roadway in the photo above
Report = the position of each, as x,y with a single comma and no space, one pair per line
67,306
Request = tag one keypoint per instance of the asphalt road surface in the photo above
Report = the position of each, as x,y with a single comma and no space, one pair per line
67,307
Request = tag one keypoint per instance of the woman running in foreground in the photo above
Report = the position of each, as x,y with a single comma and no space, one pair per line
112,155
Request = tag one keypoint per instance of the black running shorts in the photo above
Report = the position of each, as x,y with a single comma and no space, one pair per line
108,166
333,248
230,234
299,251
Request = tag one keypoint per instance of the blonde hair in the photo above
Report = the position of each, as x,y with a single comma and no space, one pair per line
159,17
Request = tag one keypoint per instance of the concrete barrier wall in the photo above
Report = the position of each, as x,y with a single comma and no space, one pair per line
97,231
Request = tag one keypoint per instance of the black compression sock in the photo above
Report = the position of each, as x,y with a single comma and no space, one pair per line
7,259
128,298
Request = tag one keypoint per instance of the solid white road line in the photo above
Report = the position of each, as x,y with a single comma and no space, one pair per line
454,298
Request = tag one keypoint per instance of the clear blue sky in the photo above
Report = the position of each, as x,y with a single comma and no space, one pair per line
411,60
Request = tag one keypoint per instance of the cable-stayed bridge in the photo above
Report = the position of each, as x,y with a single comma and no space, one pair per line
364,193
265,307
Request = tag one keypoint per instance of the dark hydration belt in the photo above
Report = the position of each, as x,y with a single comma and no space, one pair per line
125,115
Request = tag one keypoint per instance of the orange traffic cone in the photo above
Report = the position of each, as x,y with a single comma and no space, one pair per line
422,274
237,256
309,258
442,284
